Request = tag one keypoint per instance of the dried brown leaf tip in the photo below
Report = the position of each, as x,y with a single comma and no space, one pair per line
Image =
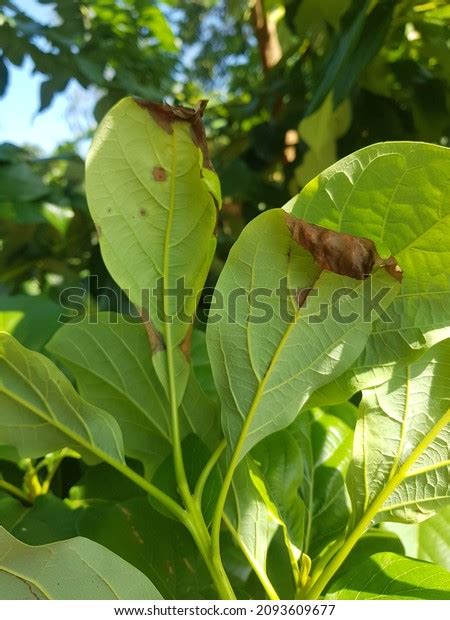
165,115
339,252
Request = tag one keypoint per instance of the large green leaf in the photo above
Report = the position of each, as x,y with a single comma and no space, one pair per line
391,576
395,195
267,362
74,569
110,358
325,442
154,197
402,438
41,412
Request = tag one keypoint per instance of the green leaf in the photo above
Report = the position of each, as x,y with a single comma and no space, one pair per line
48,520
248,517
429,540
19,183
32,320
373,541
280,470
402,442
394,194
154,196
153,18
49,88
77,568
325,442
370,40
11,511
41,412
161,548
390,576
110,358
103,482
320,131
201,364
266,363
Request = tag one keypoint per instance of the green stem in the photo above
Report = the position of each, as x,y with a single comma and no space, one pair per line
194,520
259,571
203,478
13,490
402,473
197,527
53,469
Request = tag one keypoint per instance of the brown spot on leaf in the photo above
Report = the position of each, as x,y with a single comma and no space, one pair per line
339,252
155,338
302,295
142,211
186,344
165,115
159,174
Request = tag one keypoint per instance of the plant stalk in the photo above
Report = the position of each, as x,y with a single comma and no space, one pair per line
15,491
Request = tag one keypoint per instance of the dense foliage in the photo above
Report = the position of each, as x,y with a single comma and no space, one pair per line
271,456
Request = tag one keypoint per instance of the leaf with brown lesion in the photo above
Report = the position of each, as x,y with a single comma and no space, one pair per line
342,253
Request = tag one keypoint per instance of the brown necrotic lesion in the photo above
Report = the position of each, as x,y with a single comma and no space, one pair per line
340,252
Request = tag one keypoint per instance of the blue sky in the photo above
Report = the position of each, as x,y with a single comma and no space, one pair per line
19,121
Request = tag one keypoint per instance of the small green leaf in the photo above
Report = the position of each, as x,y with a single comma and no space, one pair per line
74,569
325,442
390,576
248,517
280,469
41,412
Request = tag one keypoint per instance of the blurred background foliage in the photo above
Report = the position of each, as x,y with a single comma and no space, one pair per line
292,87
